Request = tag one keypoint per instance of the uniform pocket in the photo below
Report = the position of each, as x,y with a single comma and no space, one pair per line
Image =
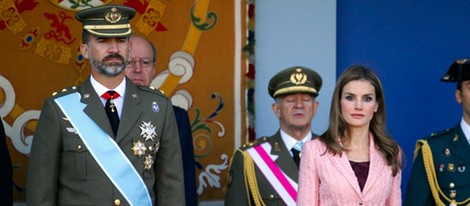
75,152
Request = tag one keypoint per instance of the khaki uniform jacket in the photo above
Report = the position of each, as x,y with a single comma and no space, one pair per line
63,172
238,193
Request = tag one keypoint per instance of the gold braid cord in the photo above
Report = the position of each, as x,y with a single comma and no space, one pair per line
250,179
432,177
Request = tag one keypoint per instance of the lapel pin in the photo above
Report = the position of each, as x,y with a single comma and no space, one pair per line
451,167
276,147
155,107
447,152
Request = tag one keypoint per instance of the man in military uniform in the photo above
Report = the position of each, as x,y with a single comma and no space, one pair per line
439,175
266,172
141,71
98,143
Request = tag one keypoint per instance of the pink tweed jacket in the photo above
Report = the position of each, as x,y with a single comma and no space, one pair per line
325,179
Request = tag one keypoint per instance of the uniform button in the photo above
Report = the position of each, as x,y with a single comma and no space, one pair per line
79,147
271,196
451,185
117,202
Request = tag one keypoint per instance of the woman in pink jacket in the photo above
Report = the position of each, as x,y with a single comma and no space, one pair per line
356,162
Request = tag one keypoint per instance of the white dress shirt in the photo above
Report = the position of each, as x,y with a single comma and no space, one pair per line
120,89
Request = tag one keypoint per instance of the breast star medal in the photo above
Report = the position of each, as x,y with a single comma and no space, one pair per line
148,162
148,131
139,148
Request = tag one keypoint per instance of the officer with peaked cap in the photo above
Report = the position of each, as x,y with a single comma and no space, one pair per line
295,80
107,21
266,172
439,175
106,141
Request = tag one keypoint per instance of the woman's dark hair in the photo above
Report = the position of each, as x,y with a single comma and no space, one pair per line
338,129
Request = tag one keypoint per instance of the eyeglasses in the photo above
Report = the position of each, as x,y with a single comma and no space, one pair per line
144,63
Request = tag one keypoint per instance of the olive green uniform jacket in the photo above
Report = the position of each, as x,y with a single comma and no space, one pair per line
238,193
451,155
63,172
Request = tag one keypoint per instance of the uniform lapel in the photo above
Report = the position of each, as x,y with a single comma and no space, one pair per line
459,146
94,107
130,111
284,160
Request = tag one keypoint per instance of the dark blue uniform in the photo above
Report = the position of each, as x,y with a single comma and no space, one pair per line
450,153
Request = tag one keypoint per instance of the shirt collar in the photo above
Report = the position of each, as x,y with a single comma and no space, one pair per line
290,141
101,89
465,128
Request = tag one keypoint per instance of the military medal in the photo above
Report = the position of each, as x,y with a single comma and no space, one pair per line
155,107
154,149
148,131
451,167
112,106
139,148
148,162
447,152
452,193
461,168
441,167
110,96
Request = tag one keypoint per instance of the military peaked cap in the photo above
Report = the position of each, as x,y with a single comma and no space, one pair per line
296,79
107,21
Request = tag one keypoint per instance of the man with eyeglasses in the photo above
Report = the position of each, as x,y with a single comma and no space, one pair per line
141,66
141,70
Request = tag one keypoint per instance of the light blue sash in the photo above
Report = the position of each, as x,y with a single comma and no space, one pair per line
106,152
